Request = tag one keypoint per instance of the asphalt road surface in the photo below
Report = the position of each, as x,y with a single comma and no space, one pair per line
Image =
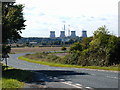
59,77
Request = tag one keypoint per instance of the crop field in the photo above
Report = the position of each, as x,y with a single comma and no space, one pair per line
35,49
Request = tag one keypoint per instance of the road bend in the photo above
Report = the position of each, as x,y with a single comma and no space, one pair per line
61,77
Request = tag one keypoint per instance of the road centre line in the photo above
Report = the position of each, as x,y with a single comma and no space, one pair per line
78,84
112,77
71,84
89,88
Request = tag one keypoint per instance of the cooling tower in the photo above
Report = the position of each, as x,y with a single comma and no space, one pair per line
62,34
73,34
52,34
84,33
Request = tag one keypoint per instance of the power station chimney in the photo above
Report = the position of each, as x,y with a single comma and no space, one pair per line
73,34
84,33
68,30
52,34
62,34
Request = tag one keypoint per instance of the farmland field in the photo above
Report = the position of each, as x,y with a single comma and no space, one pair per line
35,49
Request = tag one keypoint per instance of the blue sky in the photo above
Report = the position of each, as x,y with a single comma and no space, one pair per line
45,15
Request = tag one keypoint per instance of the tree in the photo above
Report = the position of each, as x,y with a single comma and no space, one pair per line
85,42
12,24
105,47
113,50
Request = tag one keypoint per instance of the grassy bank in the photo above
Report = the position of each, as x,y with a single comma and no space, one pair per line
15,78
113,68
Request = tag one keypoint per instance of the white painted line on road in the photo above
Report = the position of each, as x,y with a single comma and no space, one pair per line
112,77
100,70
62,79
55,77
78,84
88,87
50,78
71,84
93,74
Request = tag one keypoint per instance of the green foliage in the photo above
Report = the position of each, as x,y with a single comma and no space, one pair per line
44,57
114,68
15,78
12,21
63,48
113,50
6,49
85,42
101,50
36,56
53,58
71,58
76,47
11,83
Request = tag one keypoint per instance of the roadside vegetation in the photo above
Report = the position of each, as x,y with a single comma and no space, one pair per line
15,78
98,52
113,68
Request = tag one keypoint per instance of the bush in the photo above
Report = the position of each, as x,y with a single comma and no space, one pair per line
53,58
71,58
76,47
63,48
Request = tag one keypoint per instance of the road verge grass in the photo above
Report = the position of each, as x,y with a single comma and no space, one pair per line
15,78
113,68
11,83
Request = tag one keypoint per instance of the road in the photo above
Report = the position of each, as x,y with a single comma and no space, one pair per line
59,77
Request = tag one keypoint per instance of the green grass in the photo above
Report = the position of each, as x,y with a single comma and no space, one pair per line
15,78
113,68
11,83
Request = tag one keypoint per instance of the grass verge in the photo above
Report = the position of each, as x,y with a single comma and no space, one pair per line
11,83
113,68
15,78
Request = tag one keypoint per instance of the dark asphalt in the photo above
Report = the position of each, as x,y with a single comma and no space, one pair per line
59,77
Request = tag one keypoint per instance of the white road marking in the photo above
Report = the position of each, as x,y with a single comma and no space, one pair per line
62,79
78,84
50,78
55,77
88,87
70,83
93,74
112,77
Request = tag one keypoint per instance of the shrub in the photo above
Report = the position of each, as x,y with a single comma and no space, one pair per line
71,58
76,47
63,48
53,58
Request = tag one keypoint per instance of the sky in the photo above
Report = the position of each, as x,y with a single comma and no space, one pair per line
43,16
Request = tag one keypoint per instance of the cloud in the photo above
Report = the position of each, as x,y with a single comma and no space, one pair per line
41,14
44,15
103,19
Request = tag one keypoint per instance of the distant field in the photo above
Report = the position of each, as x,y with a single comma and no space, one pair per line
35,49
